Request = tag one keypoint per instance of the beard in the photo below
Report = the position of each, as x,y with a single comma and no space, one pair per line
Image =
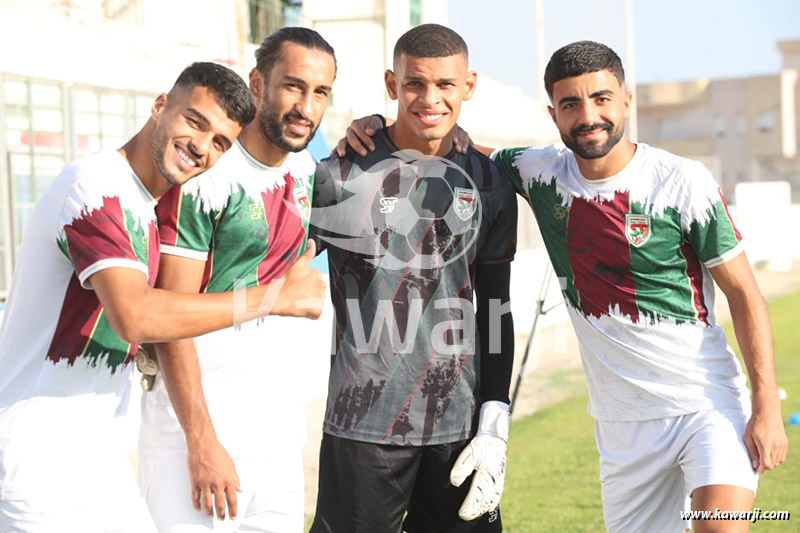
273,128
593,149
158,149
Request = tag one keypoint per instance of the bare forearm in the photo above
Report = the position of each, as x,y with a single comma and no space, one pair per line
166,316
213,481
139,313
754,334
180,370
764,436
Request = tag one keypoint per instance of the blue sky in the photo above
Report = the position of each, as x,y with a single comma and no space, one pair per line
674,40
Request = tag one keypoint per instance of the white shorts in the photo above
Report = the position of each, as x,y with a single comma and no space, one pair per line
111,505
271,499
649,467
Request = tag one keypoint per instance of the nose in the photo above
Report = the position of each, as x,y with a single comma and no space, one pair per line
429,95
201,143
589,113
304,104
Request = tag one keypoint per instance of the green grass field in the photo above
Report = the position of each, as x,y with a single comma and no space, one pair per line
552,479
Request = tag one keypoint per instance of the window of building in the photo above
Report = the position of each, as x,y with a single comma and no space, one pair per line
267,16
766,121
740,124
719,126
44,124
415,12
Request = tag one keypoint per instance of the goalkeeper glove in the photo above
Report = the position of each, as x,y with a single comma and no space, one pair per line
486,456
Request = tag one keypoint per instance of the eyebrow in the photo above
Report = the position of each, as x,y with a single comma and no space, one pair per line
602,92
301,81
198,115
439,80
207,123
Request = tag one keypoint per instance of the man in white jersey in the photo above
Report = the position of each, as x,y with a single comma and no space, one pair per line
638,236
82,300
233,416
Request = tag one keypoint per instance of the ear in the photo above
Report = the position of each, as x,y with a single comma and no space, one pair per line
552,112
472,79
159,105
256,84
627,102
391,84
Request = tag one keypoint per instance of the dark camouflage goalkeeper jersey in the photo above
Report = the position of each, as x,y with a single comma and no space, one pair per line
403,233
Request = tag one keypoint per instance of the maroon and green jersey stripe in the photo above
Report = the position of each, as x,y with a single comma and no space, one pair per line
100,236
248,222
633,245
634,253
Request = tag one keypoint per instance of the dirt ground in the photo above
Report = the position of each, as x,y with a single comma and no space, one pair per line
553,372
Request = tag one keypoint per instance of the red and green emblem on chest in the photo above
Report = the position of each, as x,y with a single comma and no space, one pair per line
465,203
637,229
301,199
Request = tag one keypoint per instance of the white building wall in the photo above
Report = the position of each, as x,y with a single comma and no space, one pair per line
42,42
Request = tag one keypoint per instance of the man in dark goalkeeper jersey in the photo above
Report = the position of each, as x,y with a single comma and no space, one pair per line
412,229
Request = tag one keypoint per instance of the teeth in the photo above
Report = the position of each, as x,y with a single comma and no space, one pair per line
430,117
189,161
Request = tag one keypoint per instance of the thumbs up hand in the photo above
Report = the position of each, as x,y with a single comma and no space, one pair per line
302,293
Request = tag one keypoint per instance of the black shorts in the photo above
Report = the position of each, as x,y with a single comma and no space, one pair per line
367,488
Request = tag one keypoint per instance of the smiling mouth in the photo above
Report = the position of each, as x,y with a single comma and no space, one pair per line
430,118
186,157
591,133
298,127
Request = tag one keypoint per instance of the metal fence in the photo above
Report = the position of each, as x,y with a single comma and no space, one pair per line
44,125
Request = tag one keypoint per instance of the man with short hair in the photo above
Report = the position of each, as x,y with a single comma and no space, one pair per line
638,236
412,229
225,403
82,300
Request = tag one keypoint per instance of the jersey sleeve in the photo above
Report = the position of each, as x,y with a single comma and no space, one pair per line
504,159
327,188
98,233
500,210
185,225
706,220
328,180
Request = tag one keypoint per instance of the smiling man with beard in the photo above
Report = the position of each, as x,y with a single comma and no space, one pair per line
82,300
638,237
223,403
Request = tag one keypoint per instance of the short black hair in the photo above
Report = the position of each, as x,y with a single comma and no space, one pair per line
229,88
582,57
430,40
270,50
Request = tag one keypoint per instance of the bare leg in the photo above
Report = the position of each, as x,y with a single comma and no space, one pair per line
725,498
